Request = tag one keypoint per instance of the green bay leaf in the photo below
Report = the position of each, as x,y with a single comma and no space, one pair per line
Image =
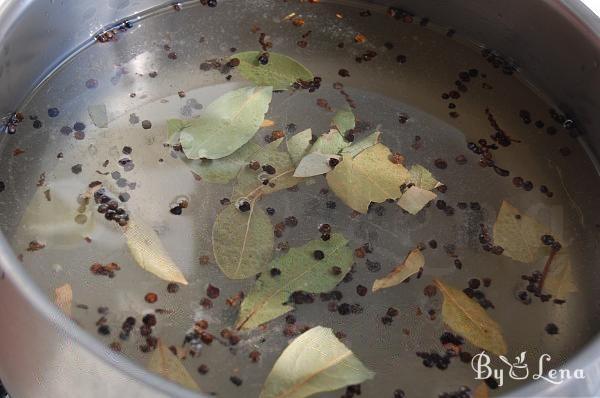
331,142
314,362
226,124
314,164
344,120
242,241
249,185
299,271
223,170
359,146
280,73
299,145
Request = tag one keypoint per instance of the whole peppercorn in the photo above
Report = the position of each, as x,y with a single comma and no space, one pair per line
151,298
263,58
243,206
318,255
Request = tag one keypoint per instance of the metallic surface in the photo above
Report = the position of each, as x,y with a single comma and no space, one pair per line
44,354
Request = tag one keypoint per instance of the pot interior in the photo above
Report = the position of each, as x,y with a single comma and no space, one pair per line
395,73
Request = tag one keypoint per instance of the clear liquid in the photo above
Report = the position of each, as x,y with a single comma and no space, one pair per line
383,90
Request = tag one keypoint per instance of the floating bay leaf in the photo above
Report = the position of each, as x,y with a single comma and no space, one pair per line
344,120
519,235
299,145
63,297
415,198
166,364
331,142
226,124
248,184
467,318
98,115
299,271
413,262
242,241
423,178
149,253
280,73
369,177
174,128
481,391
223,170
359,146
314,164
559,282
314,362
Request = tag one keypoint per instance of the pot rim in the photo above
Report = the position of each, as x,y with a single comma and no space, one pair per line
580,16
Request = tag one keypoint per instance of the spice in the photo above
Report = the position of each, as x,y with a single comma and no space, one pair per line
151,298
212,291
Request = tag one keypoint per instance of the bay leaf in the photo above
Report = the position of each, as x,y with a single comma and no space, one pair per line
414,199
314,164
280,73
481,391
299,271
148,251
249,185
559,281
226,124
344,120
223,170
360,145
331,142
63,297
413,262
519,234
467,318
174,128
422,178
166,364
242,241
369,177
299,145
316,361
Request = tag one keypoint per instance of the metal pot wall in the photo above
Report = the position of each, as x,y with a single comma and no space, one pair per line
44,354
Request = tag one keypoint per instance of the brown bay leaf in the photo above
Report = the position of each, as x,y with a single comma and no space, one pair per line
314,362
413,262
423,178
167,365
242,241
369,177
519,234
149,253
559,281
414,199
63,297
467,318
300,270
481,391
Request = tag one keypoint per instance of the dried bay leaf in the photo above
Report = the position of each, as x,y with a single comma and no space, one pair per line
149,253
280,73
248,184
467,318
369,177
63,297
331,142
559,281
242,241
344,120
415,198
223,170
174,128
413,262
423,178
166,364
314,164
226,124
359,146
299,271
299,145
519,234
314,362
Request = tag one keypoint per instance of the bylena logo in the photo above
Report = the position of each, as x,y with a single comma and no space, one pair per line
519,370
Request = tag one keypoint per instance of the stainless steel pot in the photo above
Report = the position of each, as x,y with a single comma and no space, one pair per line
44,354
